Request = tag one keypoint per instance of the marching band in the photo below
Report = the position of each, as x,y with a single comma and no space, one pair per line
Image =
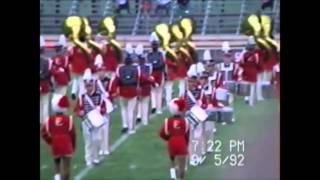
98,80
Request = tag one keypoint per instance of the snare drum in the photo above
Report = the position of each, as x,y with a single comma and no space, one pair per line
243,89
94,119
230,85
226,115
196,115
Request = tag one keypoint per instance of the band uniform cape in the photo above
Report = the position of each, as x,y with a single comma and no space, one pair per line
58,130
175,130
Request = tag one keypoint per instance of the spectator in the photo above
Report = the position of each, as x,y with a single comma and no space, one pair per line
146,7
122,4
163,5
267,4
183,7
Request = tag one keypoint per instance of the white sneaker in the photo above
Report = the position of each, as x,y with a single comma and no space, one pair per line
89,164
233,120
145,124
132,132
223,123
215,130
106,153
96,161
246,98
260,99
159,112
100,152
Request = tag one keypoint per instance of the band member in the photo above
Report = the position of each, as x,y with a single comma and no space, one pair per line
227,68
102,86
183,66
250,69
59,133
45,85
175,131
79,62
155,57
59,70
170,77
144,87
197,68
126,81
110,60
194,96
87,102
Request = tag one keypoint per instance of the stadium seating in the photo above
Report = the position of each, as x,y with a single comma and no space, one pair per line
223,16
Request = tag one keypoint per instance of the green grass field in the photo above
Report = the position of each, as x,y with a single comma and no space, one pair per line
143,155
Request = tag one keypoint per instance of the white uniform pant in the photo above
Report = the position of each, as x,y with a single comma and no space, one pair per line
105,130
143,109
61,90
253,92
182,87
168,88
127,112
92,140
156,98
263,78
44,107
77,85
197,144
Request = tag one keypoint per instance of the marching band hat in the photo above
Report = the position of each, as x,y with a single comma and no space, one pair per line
59,103
177,106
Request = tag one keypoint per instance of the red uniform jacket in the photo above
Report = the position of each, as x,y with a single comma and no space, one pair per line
44,86
59,70
78,60
175,131
172,70
183,67
110,59
129,91
269,60
250,66
59,132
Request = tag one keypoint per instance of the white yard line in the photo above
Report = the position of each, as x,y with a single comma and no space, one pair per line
118,142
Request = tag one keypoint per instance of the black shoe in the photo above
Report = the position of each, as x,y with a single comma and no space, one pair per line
73,96
124,130
138,120
153,110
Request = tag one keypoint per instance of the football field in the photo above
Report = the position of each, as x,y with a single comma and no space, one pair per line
144,155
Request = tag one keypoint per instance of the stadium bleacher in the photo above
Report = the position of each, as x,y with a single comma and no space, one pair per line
223,16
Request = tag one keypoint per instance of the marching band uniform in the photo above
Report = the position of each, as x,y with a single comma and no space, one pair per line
102,84
250,70
158,67
84,105
171,77
175,131
144,87
183,67
194,95
59,133
79,62
127,78
59,70
45,85
110,60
